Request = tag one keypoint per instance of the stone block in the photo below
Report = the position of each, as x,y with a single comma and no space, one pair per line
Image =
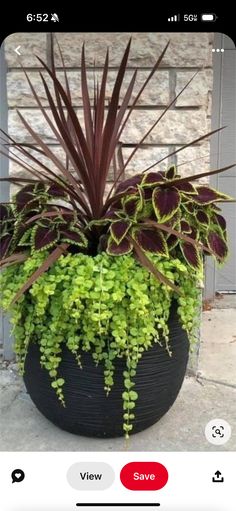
194,160
196,94
175,127
19,92
185,50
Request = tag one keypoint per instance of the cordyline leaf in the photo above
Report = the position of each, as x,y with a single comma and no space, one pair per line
184,147
86,104
121,113
155,67
191,255
44,237
153,70
49,214
171,172
218,245
165,202
157,121
145,261
51,259
202,217
122,248
13,259
203,174
111,115
119,229
20,180
74,119
67,143
51,125
58,99
53,158
4,244
99,115
150,240
152,179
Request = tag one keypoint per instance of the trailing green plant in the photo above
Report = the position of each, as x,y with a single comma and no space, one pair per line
110,307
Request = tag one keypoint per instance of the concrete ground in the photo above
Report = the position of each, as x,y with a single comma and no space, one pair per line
210,395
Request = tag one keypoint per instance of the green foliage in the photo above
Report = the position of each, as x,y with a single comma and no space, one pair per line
110,307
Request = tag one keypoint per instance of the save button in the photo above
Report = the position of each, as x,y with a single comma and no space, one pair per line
144,476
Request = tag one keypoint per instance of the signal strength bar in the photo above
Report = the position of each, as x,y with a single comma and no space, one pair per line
176,17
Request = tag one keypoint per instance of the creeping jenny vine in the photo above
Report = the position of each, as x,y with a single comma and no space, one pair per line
110,307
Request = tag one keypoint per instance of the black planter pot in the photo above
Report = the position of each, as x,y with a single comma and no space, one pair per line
88,411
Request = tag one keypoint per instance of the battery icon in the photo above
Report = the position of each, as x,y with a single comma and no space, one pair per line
208,17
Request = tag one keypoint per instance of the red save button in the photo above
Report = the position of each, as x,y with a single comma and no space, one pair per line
144,475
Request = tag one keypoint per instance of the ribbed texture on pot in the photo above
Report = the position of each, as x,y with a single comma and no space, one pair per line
88,411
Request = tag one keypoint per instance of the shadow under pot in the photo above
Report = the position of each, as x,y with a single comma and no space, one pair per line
88,411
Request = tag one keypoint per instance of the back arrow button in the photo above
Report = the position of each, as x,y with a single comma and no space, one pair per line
17,50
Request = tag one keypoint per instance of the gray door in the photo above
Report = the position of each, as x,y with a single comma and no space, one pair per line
223,151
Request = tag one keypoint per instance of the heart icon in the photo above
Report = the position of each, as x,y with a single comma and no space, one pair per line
17,475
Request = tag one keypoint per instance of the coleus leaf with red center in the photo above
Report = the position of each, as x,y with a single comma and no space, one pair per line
150,240
25,238
132,204
171,172
55,190
185,227
165,202
25,200
122,248
191,255
6,212
218,245
147,193
202,217
185,187
172,241
119,229
189,207
74,236
208,195
220,221
43,237
131,182
152,179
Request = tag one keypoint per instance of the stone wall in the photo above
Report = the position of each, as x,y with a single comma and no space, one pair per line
188,119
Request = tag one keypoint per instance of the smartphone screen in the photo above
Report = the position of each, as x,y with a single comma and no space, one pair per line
118,256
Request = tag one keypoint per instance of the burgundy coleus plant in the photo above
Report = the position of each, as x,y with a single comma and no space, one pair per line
68,208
